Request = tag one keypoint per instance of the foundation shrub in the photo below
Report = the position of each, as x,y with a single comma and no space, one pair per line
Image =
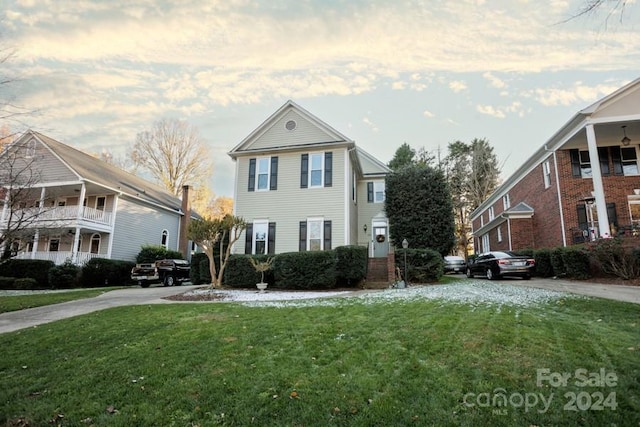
305,270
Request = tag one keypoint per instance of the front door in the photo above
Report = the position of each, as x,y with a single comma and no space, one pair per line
380,241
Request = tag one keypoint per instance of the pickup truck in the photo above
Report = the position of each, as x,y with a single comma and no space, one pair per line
169,272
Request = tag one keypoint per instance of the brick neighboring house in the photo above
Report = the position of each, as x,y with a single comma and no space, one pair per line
581,184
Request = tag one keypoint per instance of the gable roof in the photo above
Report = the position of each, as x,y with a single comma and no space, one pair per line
371,167
96,171
308,131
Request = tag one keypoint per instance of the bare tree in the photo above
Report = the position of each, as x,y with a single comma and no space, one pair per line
174,153
20,205
120,161
611,8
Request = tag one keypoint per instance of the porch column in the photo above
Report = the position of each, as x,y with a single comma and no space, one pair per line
76,243
598,187
36,241
83,193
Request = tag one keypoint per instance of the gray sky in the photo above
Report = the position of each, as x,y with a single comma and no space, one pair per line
381,72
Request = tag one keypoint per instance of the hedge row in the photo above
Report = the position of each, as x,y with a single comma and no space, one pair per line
37,274
343,266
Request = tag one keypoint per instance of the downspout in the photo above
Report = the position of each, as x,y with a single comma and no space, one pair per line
562,225
509,232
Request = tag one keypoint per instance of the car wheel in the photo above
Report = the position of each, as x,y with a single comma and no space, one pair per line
169,280
469,273
490,274
144,284
527,277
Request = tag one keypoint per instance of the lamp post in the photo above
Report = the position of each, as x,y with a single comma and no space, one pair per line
405,245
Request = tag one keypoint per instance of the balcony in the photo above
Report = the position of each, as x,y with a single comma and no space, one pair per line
64,216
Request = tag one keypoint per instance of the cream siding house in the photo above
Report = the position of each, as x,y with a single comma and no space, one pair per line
300,186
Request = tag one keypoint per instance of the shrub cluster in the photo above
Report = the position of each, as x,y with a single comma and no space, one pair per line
151,253
199,272
612,258
240,273
64,276
351,265
305,270
423,265
99,272
35,269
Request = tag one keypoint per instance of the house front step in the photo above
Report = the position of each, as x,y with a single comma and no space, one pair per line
378,270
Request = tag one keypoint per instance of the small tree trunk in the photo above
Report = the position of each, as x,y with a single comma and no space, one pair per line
212,265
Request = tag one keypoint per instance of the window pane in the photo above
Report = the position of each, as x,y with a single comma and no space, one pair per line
316,178
315,229
260,231
263,181
630,168
315,245
634,208
316,161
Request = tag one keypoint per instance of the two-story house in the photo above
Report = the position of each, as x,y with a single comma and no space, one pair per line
581,184
76,207
302,185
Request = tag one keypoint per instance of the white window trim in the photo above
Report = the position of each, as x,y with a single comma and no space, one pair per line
486,246
321,185
165,232
257,178
376,186
105,202
546,174
321,221
492,214
264,222
622,162
99,242
584,174
499,234
506,201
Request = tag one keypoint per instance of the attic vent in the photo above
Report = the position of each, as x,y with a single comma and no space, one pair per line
291,125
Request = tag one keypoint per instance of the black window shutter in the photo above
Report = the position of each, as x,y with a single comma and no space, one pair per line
328,169
273,182
303,236
252,174
603,154
617,161
370,192
613,216
248,239
304,171
327,235
272,238
575,163
582,217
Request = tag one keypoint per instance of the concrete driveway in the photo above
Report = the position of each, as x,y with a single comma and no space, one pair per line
16,320
21,319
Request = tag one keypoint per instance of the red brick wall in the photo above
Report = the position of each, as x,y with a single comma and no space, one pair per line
544,229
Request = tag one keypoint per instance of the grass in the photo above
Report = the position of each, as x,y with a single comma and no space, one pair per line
384,364
20,302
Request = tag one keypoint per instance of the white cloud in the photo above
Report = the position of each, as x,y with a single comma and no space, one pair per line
428,114
457,86
578,94
370,124
491,111
494,81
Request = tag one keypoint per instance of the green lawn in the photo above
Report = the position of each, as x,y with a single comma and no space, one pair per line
394,363
20,302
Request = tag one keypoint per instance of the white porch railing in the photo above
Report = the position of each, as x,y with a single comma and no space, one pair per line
75,212
60,257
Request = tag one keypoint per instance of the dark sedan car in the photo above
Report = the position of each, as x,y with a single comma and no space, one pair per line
496,264
454,264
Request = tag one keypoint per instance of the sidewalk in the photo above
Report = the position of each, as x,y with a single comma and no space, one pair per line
614,292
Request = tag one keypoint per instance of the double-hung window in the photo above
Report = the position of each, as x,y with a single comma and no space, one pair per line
315,234
506,201
376,192
260,237
491,213
263,174
629,160
316,170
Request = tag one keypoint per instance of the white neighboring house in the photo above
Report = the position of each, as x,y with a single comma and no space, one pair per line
302,185
89,208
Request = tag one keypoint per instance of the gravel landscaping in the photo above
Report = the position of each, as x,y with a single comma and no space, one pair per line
471,292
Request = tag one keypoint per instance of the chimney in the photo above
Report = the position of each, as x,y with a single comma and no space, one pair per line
183,241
